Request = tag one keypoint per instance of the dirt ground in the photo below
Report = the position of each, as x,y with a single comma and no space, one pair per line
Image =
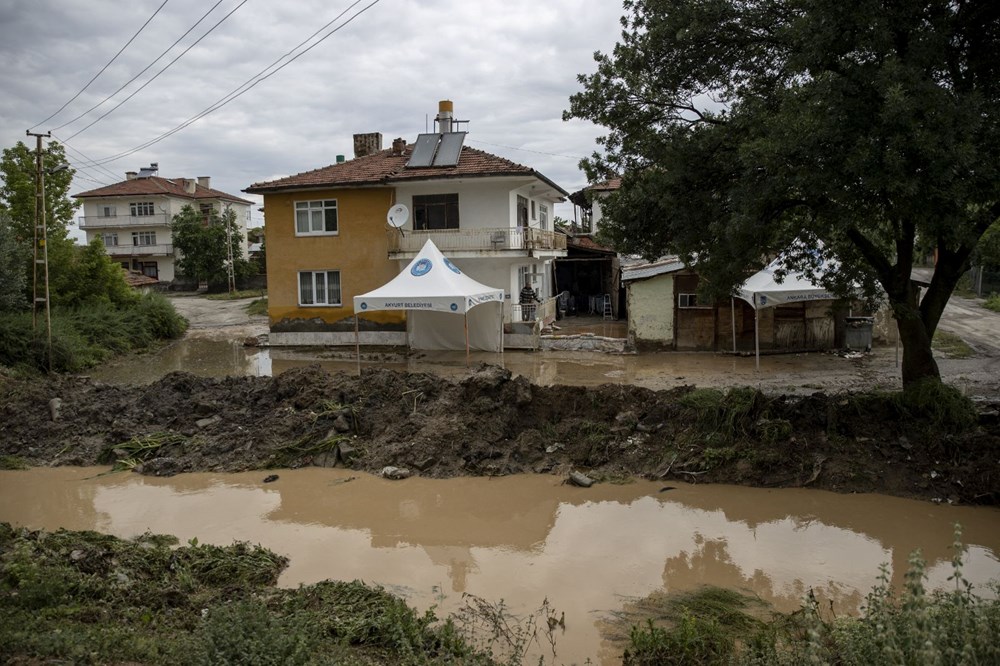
491,422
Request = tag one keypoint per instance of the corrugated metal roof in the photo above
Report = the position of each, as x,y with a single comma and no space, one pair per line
648,270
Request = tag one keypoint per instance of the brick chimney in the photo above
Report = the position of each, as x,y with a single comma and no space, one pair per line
398,146
367,144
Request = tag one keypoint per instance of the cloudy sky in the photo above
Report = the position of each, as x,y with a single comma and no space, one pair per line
508,65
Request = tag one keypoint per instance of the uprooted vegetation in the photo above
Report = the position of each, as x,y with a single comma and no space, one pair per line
928,442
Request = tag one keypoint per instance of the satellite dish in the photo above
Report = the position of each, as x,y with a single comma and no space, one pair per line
398,216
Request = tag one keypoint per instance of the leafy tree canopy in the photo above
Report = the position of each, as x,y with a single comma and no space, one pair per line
203,245
739,126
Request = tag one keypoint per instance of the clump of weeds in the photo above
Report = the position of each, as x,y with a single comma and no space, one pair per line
139,449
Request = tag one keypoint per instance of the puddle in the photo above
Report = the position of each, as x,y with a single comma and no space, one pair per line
526,538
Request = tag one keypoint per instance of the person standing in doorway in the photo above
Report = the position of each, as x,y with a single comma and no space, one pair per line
527,300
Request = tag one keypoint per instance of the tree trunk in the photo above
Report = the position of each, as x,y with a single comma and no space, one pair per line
918,358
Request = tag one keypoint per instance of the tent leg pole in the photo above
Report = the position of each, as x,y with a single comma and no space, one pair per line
466,319
756,332
357,343
732,316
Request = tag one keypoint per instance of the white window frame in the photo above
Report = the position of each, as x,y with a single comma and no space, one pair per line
110,236
326,303
142,209
320,206
543,217
105,210
138,236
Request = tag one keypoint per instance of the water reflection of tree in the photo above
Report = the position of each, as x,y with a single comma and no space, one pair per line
712,563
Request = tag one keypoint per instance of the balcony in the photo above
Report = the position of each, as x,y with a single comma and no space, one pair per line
518,241
140,250
122,221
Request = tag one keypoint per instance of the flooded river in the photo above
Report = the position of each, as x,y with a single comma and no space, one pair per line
526,538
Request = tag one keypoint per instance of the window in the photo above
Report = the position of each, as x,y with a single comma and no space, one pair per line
110,240
106,211
543,217
319,288
141,209
688,301
534,215
149,269
522,211
435,211
143,238
315,217
206,212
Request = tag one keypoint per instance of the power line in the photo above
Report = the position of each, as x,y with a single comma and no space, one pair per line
250,83
525,150
73,98
147,67
80,167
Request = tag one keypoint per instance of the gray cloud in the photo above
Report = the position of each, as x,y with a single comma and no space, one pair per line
509,67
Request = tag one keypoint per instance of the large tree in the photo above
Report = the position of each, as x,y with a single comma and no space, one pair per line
740,126
17,199
203,245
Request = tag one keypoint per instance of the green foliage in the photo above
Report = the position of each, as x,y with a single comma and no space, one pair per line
951,345
13,462
92,277
13,278
911,626
83,597
258,307
741,128
84,336
203,247
730,415
237,295
938,405
992,302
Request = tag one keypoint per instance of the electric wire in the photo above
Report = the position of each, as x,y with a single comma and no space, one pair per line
525,150
147,67
250,83
83,167
120,51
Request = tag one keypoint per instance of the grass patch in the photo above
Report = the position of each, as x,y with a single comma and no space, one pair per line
13,462
238,295
258,306
914,626
84,597
139,449
992,302
951,345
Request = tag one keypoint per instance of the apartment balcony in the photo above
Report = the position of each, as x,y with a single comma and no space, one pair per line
461,243
116,251
122,221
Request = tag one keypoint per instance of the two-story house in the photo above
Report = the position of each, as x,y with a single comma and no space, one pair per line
132,217
329,239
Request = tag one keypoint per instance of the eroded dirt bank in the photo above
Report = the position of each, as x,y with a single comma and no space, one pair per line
493,424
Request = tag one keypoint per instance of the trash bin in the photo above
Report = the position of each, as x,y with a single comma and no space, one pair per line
859,333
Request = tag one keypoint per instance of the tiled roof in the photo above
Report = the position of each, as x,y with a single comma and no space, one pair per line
385,168
156,186
580,197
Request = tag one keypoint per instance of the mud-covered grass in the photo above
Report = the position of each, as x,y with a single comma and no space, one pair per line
83,597
992,302
929,442
951,345
912,626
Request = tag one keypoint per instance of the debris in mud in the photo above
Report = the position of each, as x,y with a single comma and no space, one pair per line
396,473
493,423
581,480
270,478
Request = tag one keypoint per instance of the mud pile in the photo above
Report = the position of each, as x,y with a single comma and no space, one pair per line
494,424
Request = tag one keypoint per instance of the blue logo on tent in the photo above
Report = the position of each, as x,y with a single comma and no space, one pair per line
453,267
763,300
422,267
454,307
364,306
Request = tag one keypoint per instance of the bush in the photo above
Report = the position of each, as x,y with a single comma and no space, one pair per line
992,302
87,335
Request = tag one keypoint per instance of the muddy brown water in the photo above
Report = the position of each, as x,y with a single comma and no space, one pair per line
527,538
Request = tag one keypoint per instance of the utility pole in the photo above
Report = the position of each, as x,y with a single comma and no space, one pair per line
41,243
229,247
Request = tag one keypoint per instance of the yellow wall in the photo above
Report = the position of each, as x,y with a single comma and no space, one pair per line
651,310
359,251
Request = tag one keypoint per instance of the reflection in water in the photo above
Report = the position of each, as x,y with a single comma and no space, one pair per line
210,357
525,538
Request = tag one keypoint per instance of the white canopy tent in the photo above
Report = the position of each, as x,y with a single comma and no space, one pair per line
763,290
432,290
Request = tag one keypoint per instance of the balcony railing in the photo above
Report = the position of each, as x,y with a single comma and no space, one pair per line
102,222
544,312
492,240
140,250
